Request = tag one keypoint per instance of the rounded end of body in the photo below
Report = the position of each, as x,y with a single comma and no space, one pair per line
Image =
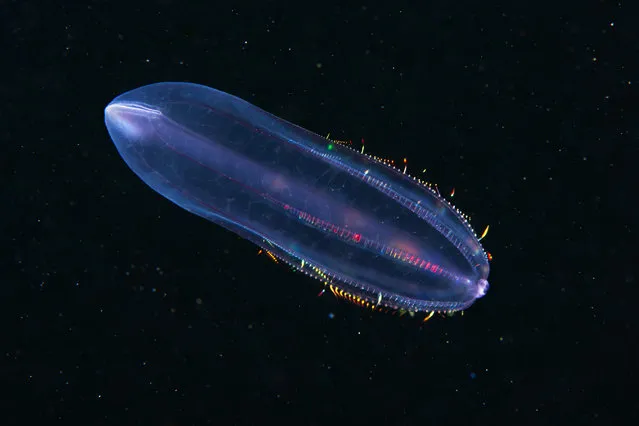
128,121
482,288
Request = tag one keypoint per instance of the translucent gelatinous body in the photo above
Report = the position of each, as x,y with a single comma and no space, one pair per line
340,216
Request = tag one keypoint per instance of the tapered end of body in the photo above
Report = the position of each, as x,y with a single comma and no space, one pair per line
128,122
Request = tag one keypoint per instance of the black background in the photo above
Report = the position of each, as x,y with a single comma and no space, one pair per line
120,308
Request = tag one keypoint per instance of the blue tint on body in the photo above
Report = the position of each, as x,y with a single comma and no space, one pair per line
335,214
